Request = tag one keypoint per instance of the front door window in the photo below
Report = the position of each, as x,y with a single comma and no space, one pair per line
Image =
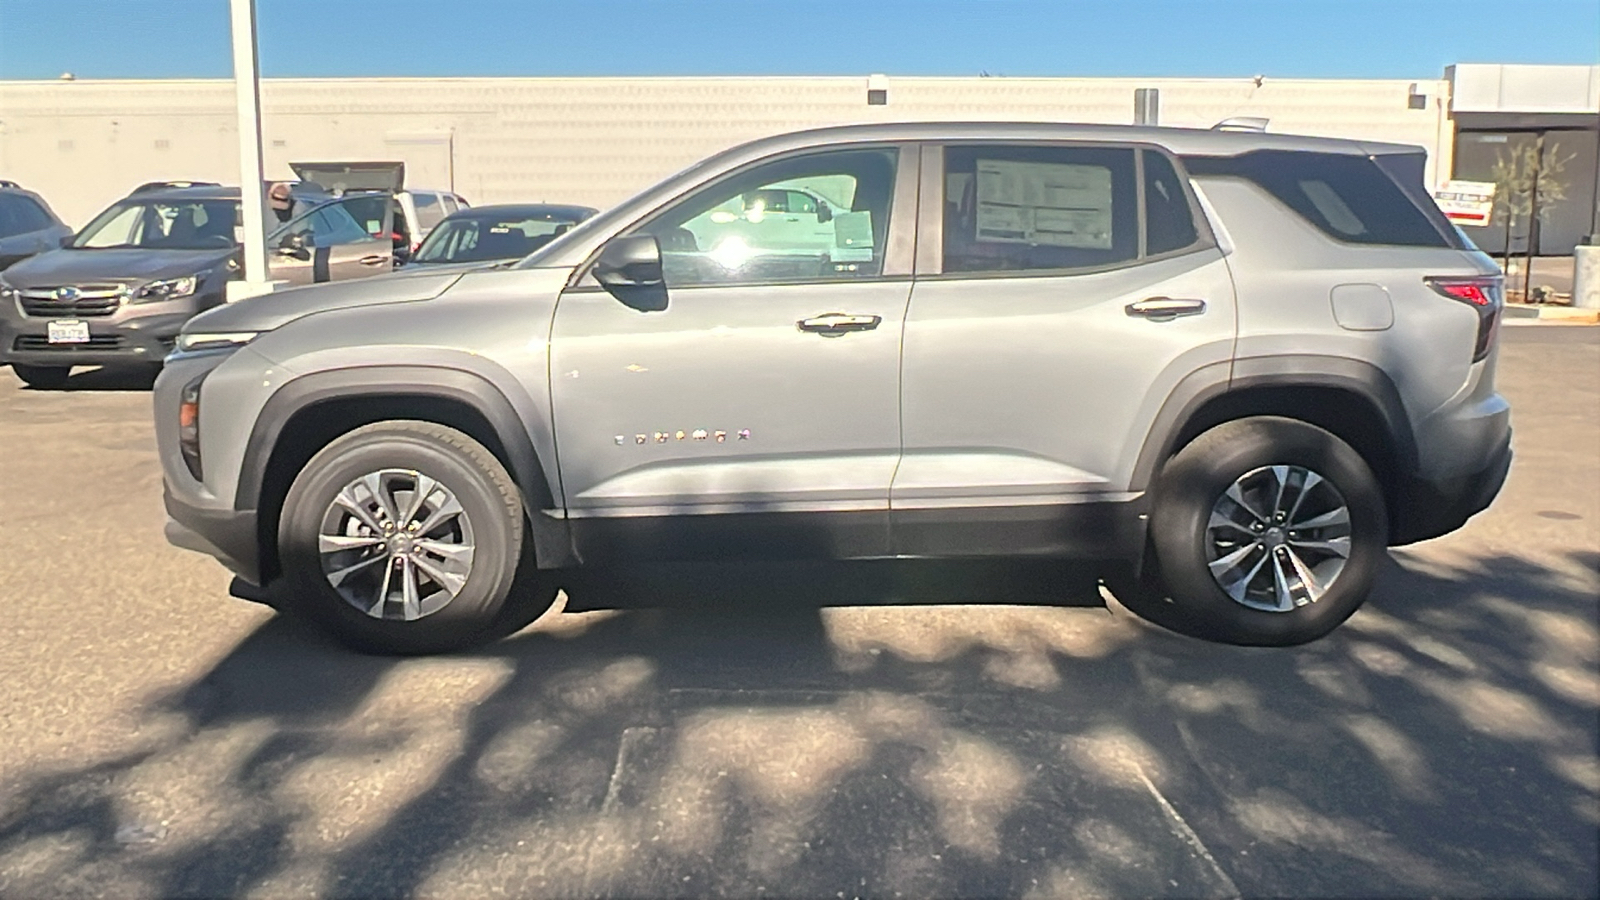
822,217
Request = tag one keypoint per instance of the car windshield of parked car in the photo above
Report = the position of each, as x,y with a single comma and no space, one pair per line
163,225
480,239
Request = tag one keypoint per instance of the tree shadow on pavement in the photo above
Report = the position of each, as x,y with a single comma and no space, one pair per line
1443,742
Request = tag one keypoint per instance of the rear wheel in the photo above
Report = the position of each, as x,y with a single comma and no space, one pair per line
43,377
1266,531
407,537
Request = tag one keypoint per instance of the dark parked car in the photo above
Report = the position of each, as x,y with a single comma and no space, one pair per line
27,225
495,233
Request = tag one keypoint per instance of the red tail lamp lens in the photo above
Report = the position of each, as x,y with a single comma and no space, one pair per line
1486,294
1473,292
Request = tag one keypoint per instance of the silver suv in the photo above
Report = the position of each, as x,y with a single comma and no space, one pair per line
1225,370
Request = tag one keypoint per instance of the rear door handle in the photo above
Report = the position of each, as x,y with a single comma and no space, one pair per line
1165,309
836,324
373,260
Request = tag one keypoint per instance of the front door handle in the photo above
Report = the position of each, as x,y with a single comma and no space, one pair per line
836,324
373,260
1165,309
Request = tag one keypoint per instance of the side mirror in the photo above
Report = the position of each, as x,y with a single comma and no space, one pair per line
824,212
630,268
294,245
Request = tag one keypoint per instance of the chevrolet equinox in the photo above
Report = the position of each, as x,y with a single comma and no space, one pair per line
1225,369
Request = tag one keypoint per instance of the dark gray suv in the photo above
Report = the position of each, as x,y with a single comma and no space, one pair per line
27,225
1223,370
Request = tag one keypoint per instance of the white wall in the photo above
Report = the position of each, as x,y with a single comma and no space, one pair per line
1485,87
594,141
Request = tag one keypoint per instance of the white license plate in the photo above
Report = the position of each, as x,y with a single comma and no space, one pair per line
69,331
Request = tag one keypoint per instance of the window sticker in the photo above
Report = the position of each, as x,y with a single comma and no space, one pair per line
1054,204
852,236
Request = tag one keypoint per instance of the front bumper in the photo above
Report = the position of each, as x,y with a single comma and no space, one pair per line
227,534
139,341
1428,509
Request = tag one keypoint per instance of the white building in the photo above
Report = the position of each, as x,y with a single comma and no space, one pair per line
594,141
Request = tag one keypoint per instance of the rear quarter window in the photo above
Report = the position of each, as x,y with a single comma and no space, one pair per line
1347,197
1169,222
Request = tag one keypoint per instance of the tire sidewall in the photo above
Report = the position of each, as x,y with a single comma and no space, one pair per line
496,537
1197,477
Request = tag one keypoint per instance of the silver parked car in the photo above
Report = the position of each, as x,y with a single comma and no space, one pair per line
1226,370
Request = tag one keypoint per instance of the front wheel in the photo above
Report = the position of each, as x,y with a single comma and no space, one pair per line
43,377
1266,531
406,537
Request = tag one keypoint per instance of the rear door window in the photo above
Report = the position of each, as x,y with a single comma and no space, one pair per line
337,224
1348,197
1039,208
368,210
330,225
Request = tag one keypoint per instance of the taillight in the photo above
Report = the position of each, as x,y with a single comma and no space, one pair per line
1486,294
189,426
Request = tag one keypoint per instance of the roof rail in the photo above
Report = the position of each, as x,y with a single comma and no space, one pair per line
5,183
1241,123
165,185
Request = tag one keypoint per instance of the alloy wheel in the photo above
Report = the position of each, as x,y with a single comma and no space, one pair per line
1278,538
396,544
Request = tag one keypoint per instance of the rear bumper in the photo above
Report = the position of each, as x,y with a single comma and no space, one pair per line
142,341
227,534
1428,509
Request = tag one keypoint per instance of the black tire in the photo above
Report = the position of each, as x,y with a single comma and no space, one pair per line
1178,590
47,378
491,597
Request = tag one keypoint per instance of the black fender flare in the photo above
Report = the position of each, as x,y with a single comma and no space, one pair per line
551,539
1351,376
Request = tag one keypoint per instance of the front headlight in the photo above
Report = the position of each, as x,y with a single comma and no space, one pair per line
214,340
7,292
169,289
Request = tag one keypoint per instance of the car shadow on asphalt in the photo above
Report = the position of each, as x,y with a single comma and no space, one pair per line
100,378
1441,742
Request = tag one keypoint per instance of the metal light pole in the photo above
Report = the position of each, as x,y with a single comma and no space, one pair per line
247,95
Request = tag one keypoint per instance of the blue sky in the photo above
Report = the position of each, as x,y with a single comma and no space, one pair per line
1218,38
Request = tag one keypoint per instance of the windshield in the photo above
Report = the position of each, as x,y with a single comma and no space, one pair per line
480,239
163,225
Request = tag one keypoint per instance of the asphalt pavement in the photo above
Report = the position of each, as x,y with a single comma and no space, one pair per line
962,738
